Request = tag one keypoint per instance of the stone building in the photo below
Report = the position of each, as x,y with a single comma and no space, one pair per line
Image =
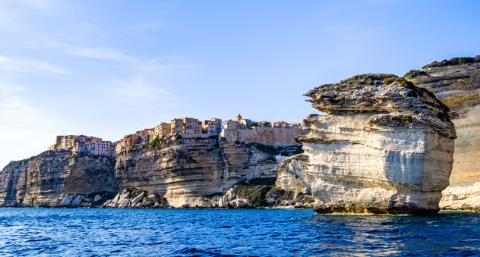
191,126
244,123
176,126
212,126
239,129
282,124
231,124
162,130
185,125
83,144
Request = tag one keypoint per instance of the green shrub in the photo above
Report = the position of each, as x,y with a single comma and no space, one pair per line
388,80
155,142
367,79
403,82
453,61
415,73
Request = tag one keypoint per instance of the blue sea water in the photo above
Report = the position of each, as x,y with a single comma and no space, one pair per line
167,232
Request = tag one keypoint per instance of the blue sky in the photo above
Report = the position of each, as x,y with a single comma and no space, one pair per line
109,68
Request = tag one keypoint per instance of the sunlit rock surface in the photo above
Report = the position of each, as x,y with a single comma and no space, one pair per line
466,197
456,82
194,172
58,179
384,146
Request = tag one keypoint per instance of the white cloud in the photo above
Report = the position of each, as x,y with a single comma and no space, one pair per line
100,53
35,4
139,90
44,6
25,130
28,66
142,82
8,91
145,83
15,14
34,54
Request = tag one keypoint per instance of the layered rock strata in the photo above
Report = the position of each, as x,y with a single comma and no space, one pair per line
58,179
193,171
385,146
465,197
456,82
170,172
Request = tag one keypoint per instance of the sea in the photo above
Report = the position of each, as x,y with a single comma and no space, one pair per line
205,232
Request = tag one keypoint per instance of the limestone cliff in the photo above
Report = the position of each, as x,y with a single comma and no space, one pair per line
58,178
456,82
190,171
385,146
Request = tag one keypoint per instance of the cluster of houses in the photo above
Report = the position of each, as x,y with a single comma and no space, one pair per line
239,129
83,144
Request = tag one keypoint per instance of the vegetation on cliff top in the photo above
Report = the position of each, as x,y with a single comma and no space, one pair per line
414,73
362,79
155,142
403,82
368,78
453,61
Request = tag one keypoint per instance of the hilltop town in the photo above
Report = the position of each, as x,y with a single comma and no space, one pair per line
83,144
379,138
237,130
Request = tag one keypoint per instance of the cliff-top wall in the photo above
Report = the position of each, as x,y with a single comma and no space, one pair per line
264,135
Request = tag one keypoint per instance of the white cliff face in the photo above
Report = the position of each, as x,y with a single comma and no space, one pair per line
466,197
381,148
456,83
355,167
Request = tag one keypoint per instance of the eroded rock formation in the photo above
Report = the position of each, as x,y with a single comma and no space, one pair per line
193,171
456,82
58,178
134,198
385,146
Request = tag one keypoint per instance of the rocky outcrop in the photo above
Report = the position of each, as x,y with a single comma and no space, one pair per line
176,171
58,179
456,82
465,198
193,171
385,146
133,198
259,193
